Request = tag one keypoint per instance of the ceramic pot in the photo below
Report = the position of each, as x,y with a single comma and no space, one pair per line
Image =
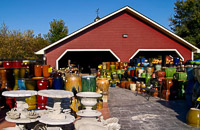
143,86
112,68
103,85
103,65
21,84
132,72
140,71
38,70
32,102
138,85
143,75
30,84
73,83
3,74
121,65
22,72
176,60
133,87
45,71
57,83
42,84
41,102
16,64
150,70
125,65
169,72
180,76
123,84
116,65
128,84
147,80
7,64
88,83
193,117
160,74
158,67
108,65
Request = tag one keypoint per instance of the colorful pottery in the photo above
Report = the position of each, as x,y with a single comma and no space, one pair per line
167,84
30,84
123,84
45,71
103,85
112,67
22,72
7,64
180,76
158,67
42,84
38,70
193,117
108,65
57,83
169,72
32,102
73,83
16,64
21,84
150,70
41,102
88,83
128,84
176,60
116,65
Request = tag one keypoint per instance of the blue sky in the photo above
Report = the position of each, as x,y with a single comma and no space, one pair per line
37,14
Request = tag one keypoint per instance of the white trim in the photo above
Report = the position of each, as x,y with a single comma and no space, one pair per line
156,50
134,12
70,50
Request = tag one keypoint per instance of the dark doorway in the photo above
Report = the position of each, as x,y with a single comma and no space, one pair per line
86,59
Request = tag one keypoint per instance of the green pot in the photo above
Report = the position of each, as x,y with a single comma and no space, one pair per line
180,76
169,73
88,83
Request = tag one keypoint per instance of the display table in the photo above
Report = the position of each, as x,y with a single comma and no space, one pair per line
55,116
21,109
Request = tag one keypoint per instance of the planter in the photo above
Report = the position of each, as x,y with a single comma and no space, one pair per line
57,83
37,70
88,83
42,84
73,83
45,71
193,117
103,85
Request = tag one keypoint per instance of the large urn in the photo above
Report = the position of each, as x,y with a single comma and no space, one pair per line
88,83
193,117
103,85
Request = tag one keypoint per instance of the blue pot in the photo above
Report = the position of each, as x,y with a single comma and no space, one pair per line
176,60
21,84
57,83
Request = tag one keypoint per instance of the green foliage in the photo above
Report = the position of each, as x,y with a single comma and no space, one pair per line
186,20
57,30
17,45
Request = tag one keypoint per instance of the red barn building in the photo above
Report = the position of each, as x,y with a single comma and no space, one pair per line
119,36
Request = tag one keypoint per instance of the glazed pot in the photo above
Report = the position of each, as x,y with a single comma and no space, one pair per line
45,71
128,84
112,68
138,85
193,117
42,84
108,65
133,87
116,65
158,67
125,65
41,102
7,64
132,72
73,83
38,70
180,76
32,102
21,84
121,65
3,74
57,83
143,75
22,72
88,83
104,65
30,84
16,64
176,60
160,74
150,70
169,72
140,71
103,85
143,86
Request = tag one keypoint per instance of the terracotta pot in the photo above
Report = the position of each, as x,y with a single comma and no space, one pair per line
108,65
38,70
193,117
73,83
103,85
128,84
123,84
45,71
116,65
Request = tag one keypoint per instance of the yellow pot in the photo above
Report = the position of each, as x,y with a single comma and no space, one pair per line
193,117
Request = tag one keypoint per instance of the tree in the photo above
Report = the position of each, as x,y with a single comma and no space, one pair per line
57,30
186,20
17,45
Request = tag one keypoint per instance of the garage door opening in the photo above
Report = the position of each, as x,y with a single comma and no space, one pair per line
86,59
157,53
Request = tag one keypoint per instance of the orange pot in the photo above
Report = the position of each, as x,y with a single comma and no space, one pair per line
38,70
45,70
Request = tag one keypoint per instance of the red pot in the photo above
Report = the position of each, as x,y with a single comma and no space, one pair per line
16,64
7,64
41,102
132,73
42,84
